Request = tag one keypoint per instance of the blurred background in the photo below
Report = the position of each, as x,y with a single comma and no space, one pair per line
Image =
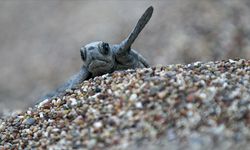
40,40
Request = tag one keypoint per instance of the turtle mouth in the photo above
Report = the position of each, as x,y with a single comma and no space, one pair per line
99,65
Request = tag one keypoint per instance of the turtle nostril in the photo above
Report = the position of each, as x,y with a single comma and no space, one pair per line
91,48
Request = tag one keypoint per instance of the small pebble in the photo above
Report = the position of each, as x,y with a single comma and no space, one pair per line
98,124
29,121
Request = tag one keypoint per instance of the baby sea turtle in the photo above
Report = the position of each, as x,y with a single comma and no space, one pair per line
100,57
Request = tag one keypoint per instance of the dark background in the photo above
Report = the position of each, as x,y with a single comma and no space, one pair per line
40,40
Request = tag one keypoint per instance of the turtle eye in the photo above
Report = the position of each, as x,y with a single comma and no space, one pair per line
105,48
83,53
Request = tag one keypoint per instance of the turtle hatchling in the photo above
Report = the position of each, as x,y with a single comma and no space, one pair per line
101,57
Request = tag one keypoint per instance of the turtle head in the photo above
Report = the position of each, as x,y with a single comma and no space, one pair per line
98,57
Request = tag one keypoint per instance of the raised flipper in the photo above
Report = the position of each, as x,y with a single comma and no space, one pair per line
73,82
126,44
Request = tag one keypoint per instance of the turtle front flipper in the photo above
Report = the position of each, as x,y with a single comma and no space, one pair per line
73,82
125,45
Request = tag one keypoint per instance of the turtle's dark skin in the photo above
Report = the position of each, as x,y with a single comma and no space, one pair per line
100,57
